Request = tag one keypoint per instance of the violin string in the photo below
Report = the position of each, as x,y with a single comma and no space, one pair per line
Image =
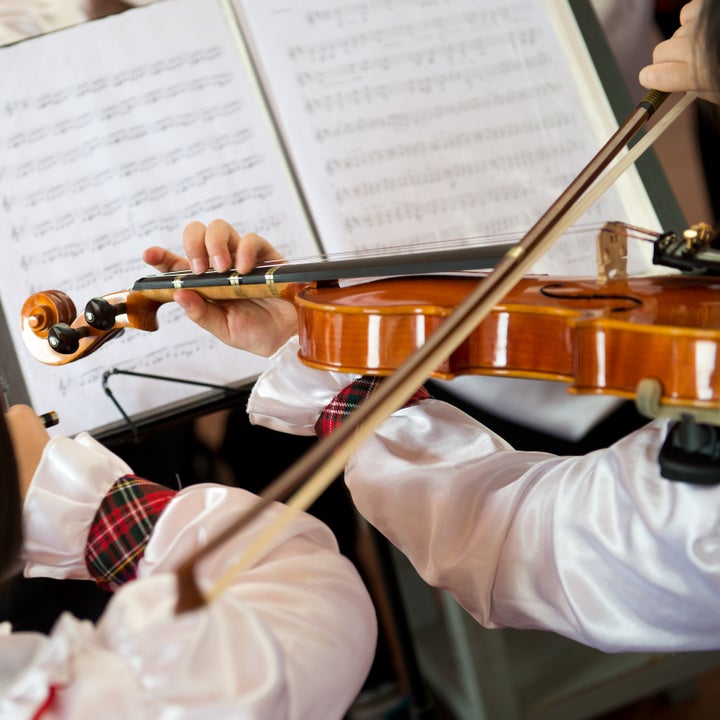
469,241
498,239
501,239
485,241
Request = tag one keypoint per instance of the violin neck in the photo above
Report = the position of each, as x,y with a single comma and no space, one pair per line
229,285
283,280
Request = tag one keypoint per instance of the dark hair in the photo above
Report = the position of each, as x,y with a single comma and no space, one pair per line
710,35
10,507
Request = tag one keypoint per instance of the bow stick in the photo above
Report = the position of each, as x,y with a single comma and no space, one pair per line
326,460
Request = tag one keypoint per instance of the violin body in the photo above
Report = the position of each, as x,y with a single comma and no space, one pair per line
600,338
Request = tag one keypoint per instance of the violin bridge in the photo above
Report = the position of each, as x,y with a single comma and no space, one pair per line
612,252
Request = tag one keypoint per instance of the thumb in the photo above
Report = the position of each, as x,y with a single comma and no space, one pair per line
208,316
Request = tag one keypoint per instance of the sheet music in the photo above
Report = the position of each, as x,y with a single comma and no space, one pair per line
114,135
415,121
409,121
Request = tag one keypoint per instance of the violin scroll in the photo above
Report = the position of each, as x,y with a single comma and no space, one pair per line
56,335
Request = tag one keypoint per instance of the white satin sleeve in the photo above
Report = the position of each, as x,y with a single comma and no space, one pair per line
290,396
66,490
292,637
599,548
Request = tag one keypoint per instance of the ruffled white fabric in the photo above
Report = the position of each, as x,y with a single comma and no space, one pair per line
20,19
599,548
61,503
292,637
277,403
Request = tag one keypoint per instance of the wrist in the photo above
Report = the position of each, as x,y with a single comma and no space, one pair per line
121,529
348,399
289,396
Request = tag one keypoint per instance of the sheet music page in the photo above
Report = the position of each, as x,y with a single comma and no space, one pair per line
114,135
414,121
417,121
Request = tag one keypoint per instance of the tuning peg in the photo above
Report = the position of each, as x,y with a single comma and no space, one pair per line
65,339
100,314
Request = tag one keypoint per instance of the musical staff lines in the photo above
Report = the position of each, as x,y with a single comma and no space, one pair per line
404,113
113,136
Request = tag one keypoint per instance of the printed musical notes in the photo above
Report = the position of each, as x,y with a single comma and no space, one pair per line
403,121
409,118
114,135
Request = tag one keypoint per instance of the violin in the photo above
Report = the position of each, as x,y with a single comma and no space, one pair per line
600,336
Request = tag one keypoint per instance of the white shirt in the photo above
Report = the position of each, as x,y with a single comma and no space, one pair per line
293,637
599,548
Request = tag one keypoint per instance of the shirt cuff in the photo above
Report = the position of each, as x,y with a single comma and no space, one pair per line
289,396
122,528
69,484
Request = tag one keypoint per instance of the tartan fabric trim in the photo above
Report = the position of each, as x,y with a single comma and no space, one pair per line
349,398
121,529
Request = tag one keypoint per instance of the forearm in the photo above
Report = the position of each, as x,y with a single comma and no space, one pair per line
599,548
292,636
67,488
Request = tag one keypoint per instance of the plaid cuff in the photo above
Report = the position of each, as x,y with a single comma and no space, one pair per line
121,529
349,398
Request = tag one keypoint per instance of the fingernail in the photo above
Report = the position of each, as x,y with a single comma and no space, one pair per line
218,261
196,266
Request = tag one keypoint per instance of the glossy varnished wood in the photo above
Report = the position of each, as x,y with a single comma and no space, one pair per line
600,338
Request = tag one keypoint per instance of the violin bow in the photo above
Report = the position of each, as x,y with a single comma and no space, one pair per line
325,461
